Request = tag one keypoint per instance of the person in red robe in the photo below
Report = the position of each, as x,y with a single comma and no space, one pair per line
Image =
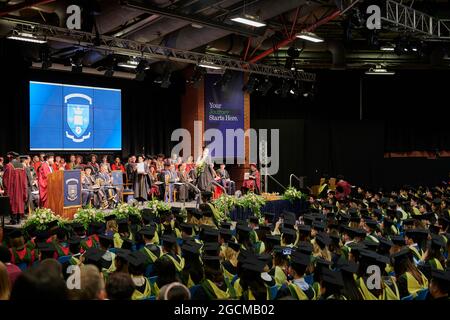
253,183
343,188
44,170
71,164
15,184
117,165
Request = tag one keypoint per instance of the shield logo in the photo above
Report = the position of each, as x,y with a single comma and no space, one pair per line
72,189
72,192
78,115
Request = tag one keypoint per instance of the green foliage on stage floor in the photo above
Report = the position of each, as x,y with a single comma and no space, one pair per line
87,215
225,203
157,206
293,194
124,210
41,217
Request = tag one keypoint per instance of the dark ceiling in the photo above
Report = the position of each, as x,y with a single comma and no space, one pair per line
205,26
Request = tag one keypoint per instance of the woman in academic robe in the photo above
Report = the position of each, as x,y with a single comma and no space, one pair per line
253,183
190,164
140,181
205,172
105,162
71,164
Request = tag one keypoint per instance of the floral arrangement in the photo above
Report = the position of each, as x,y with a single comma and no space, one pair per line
225,203
200,167
253,202
124,210
292,194
156,206
88,215
40,217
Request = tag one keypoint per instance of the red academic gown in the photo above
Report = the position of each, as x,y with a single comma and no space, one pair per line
253,184
15,183
43,172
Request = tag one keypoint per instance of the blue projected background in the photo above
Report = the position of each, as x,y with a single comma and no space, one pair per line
67,117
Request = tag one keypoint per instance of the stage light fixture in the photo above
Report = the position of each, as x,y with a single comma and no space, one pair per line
388,48
140,70
76,61
225,79
251,85
309,36
285,88
129,64
209,65
197,77
379,70
265,86
249,21
45,58
164,79
108,66
26,37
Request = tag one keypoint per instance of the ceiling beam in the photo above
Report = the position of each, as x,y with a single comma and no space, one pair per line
22,5
194,18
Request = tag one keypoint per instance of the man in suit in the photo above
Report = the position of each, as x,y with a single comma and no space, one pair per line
225,180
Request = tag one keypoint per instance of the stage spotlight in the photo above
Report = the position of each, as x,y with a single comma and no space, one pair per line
292,54
285,88
45,58
251,85
109,65
164,80
265,86
197,77
225,79
140,70
76,61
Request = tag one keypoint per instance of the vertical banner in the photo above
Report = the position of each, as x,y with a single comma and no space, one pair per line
72,188
224,111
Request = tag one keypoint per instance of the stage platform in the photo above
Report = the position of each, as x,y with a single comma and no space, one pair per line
276,206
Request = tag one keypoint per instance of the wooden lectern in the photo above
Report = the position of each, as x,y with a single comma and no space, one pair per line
64,192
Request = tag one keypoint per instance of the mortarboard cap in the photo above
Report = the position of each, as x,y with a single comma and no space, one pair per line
304,229
398,240
110,217
253,219
288,231
403,254
225,225
348,266
300,259
211,261
305,247
148,231
211,248
137,259
442,277
122,253
332,278
168,239
191,247
234,245
323,238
